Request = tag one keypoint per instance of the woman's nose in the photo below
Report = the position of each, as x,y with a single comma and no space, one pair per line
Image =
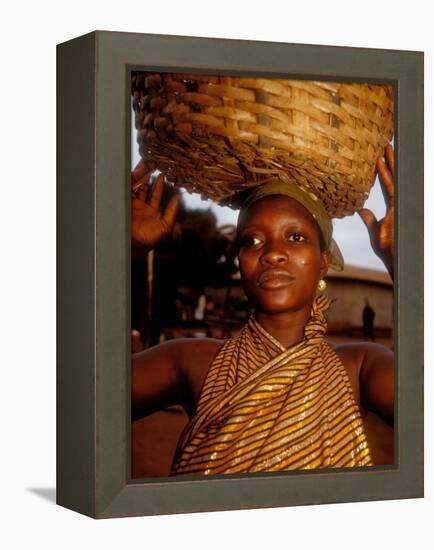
273,255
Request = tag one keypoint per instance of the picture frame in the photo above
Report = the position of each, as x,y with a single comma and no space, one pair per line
93,204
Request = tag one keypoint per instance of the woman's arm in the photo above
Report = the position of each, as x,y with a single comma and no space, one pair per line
376,381
171,373
376,373
156,378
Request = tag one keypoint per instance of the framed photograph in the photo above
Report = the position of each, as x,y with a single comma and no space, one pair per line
240,274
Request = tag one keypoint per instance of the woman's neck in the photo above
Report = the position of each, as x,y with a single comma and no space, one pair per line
287,328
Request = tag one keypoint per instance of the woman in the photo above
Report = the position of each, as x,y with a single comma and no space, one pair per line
278,396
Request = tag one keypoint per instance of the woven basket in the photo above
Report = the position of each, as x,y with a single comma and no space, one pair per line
218,135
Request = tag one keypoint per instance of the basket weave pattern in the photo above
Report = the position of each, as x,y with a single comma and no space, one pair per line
218,135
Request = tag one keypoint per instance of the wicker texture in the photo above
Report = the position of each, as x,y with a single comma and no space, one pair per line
218,135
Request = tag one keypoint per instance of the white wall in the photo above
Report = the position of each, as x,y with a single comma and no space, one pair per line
30,31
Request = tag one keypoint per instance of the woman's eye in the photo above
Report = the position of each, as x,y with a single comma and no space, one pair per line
296,237
251,240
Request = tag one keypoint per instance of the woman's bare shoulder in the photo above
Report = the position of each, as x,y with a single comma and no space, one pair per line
361,349
194,357
171,372
359,354
178,347
373,366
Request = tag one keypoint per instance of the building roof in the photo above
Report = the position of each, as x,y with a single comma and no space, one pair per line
362,274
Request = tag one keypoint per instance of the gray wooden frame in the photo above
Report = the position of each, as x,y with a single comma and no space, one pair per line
93,382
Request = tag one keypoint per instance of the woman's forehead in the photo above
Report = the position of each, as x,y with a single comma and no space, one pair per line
274,208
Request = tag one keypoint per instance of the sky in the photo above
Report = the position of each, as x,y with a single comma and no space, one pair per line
350,233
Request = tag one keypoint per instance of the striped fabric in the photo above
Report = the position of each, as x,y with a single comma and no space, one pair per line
267,408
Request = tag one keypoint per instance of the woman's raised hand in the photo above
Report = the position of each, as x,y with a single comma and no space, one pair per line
381,231
148,227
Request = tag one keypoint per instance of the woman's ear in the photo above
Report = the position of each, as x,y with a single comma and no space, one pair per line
325,262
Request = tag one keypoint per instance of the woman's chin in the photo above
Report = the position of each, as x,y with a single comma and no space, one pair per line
277,307
279,300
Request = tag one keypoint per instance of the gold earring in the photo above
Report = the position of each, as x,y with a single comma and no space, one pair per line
321,285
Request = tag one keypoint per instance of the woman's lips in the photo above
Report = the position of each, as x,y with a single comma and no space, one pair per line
274,278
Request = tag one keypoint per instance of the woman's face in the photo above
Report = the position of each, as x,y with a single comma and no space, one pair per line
279,255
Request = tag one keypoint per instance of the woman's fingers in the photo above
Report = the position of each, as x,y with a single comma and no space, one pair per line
386,181
370,221
148,226
138,172
390,159
140,183
157,192
142,194
171,210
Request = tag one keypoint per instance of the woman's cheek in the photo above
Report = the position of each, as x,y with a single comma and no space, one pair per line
247,263
308,259
308,263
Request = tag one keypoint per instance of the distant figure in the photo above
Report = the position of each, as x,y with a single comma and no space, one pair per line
368,321
199,313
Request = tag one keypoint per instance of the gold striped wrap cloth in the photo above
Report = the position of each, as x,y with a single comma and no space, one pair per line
264,408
